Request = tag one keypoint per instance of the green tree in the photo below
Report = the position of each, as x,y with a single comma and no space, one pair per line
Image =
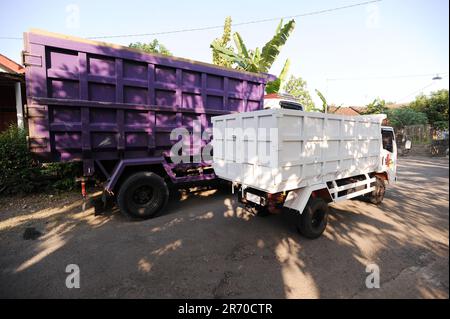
152,47
434,106
257,60
297,87
378,106
223,41
405,116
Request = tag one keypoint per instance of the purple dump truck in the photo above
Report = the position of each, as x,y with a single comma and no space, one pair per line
114,109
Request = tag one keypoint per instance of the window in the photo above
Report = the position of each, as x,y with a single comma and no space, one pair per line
388,140
291,105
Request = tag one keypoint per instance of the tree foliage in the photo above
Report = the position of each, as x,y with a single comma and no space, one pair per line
297,87
17,165
258,60
152,47
405,116
378,106
275,86
434,106
223,41
325,107
21,174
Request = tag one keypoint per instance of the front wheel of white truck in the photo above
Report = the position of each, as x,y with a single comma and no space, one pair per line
313,221
377,195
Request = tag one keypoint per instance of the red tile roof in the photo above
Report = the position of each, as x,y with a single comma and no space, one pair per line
10,65
343,111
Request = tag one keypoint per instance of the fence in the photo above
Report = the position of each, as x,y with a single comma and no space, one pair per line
418,134
426,140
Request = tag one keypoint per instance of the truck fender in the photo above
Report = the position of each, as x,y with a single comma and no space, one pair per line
120,167
298,198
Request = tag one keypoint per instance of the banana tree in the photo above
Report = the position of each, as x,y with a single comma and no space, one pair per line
275,86
257,60
325,107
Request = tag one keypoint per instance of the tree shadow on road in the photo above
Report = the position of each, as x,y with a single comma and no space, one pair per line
208,246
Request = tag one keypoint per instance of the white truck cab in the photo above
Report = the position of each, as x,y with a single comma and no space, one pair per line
282,101
389,153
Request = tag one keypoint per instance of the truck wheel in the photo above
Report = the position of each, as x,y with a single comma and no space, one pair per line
313,220
143,195
377,196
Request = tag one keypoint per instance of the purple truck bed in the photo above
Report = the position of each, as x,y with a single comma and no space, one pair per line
94,101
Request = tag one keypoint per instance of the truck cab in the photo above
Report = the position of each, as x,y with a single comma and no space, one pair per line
282,101
389,153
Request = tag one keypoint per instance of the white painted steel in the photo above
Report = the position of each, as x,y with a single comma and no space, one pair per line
298,198
351,185
354,194
303,148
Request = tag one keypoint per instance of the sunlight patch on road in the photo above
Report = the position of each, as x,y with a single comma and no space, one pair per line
52,241
144,265
297,281
41,214
167,248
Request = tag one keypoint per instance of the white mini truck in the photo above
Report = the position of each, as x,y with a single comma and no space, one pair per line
303,160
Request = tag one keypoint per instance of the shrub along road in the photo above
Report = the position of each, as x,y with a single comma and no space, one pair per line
206,245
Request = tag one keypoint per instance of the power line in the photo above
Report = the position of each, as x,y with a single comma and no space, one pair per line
241,23
387,77
419,90
10,38
221,26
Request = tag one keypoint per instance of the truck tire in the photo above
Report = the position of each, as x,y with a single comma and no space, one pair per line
143,195
377,196
314,219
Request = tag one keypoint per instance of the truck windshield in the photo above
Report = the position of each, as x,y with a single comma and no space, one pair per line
291,105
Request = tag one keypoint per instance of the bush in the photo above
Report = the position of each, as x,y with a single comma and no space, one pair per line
18,170
61,176
20,174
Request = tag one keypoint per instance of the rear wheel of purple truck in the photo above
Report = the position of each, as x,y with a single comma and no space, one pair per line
143,195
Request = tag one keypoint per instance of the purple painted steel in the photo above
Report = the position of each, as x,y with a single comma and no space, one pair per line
118,170
94,101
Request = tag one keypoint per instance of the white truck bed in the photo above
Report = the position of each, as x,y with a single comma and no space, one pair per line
279,150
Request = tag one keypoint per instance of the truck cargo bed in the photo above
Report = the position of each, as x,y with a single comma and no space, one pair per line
95,101
279,150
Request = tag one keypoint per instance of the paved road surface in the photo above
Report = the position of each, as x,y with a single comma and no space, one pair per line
207,246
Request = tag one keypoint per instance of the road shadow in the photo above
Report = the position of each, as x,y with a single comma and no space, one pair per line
208,246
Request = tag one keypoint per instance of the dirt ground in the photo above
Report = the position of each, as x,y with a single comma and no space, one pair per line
207,246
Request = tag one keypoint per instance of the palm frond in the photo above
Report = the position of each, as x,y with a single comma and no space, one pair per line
272,48
240,45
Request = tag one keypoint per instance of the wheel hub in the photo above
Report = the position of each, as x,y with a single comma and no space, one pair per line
142,195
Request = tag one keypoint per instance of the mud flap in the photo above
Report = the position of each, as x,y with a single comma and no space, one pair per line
298,198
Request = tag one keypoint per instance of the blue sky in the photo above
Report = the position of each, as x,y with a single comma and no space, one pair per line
342,53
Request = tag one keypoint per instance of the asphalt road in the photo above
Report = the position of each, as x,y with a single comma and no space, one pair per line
207,246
